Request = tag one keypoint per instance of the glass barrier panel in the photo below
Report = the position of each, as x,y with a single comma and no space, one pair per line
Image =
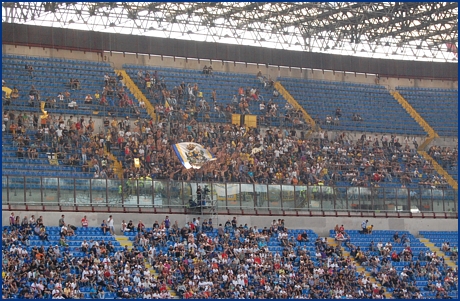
83,192
426,199
5,190
186,193
175,195
33,195
233,196
403,200
378,199
315,197
327,197
16,186
415,200
438,197
389,195
50,191
306,198
115,192
300,198
161,192
219,194
274,197
450,200
261,195
288,196
374,199
206,196
144,193
341,201
99,192
247,196
131,198
66,191
165,193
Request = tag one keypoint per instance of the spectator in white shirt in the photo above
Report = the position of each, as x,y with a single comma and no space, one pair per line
73,104
110,224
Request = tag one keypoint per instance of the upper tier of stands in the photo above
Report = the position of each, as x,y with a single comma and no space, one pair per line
226,85
381,113
52,75
446,157
439,107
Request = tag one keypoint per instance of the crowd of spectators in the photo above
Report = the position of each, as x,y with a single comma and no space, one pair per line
74,140
283,157
230,262
186,102
380,258
199,260
447,157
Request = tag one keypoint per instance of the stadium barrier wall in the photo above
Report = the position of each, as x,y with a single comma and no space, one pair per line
321,225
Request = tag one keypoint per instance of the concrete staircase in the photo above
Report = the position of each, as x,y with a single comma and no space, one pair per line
438,251
124,241
414,114
431,135
360,269
439,169
117,165
288,97
137,92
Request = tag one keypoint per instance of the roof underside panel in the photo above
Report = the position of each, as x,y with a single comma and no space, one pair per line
412,30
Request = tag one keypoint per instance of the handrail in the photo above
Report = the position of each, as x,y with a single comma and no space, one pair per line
134,89
414,114
164,195
294,103
439,169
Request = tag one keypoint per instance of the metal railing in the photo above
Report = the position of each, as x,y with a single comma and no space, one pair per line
163,195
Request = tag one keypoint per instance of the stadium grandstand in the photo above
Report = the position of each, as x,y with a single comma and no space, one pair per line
229,150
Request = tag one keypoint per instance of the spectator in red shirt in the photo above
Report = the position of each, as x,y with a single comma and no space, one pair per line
84,222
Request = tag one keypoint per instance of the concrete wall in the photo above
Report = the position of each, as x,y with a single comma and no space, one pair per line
49,52
118,59
321,225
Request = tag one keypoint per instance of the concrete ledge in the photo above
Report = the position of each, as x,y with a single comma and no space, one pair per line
320,224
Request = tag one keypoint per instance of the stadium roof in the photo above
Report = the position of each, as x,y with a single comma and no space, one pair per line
399,30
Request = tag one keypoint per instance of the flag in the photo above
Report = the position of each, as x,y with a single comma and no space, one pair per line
451,47
45,113
192,155
137,164
7,91
255,150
